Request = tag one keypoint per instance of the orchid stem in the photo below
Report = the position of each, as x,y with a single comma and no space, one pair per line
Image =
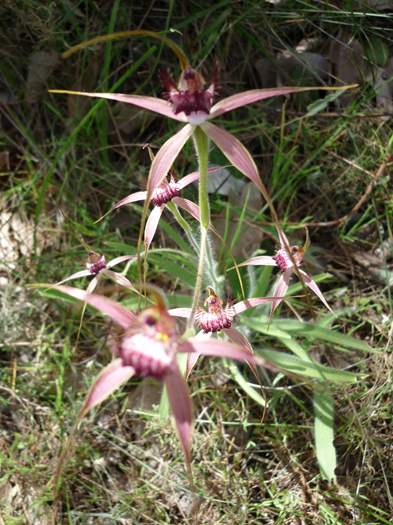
201,143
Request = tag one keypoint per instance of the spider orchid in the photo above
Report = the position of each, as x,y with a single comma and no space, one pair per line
148,348
218,317
97,267
286,258
167,191
191,102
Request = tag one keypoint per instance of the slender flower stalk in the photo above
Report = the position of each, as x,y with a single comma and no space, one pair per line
201,143
148,348
288,259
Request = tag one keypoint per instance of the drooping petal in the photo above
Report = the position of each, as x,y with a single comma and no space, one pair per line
241,340
235,152
309,281
217,348
192,177
166,156
192,357
114,310
188,206
151,224
281,287
109,380
118,260
133,197
118,278
157,105
242,306
260,260
253,95
92,285
76,275
179,399
180,312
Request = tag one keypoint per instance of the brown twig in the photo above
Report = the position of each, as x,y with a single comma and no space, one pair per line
358,205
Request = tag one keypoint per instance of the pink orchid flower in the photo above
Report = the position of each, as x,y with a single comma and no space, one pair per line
285,259
191,102
148,348
164,193
218,318
97,267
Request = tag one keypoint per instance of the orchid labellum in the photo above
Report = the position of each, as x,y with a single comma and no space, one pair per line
286,258
217,317
148,348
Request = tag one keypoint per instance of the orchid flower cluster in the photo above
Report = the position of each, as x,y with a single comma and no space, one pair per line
151,339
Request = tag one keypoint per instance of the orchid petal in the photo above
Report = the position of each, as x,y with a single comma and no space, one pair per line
157,105
242,306
77,275
249,97
118,260
241,340
235,152
180,312
260,260
133,197
214,347
109,380
118,278
188,179
309,281
192,357
189,206
281,287
151,224
179,399
284,243
166,156
114,310
192,177
92,285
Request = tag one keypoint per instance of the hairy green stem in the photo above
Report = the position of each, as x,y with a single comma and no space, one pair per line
201,143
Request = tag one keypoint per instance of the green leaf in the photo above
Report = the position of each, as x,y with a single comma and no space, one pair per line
324,434
294,365
314,331
244,384
282,328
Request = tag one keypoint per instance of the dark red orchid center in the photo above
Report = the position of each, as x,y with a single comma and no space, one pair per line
190,95
284,260
217,317
95,263
165,193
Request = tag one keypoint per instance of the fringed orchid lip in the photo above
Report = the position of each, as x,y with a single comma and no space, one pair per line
147,355
96,263
217,317
285,261
190,95
165,193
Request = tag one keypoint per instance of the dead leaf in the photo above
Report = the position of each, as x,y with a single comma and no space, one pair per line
348,64
41,66
383,86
